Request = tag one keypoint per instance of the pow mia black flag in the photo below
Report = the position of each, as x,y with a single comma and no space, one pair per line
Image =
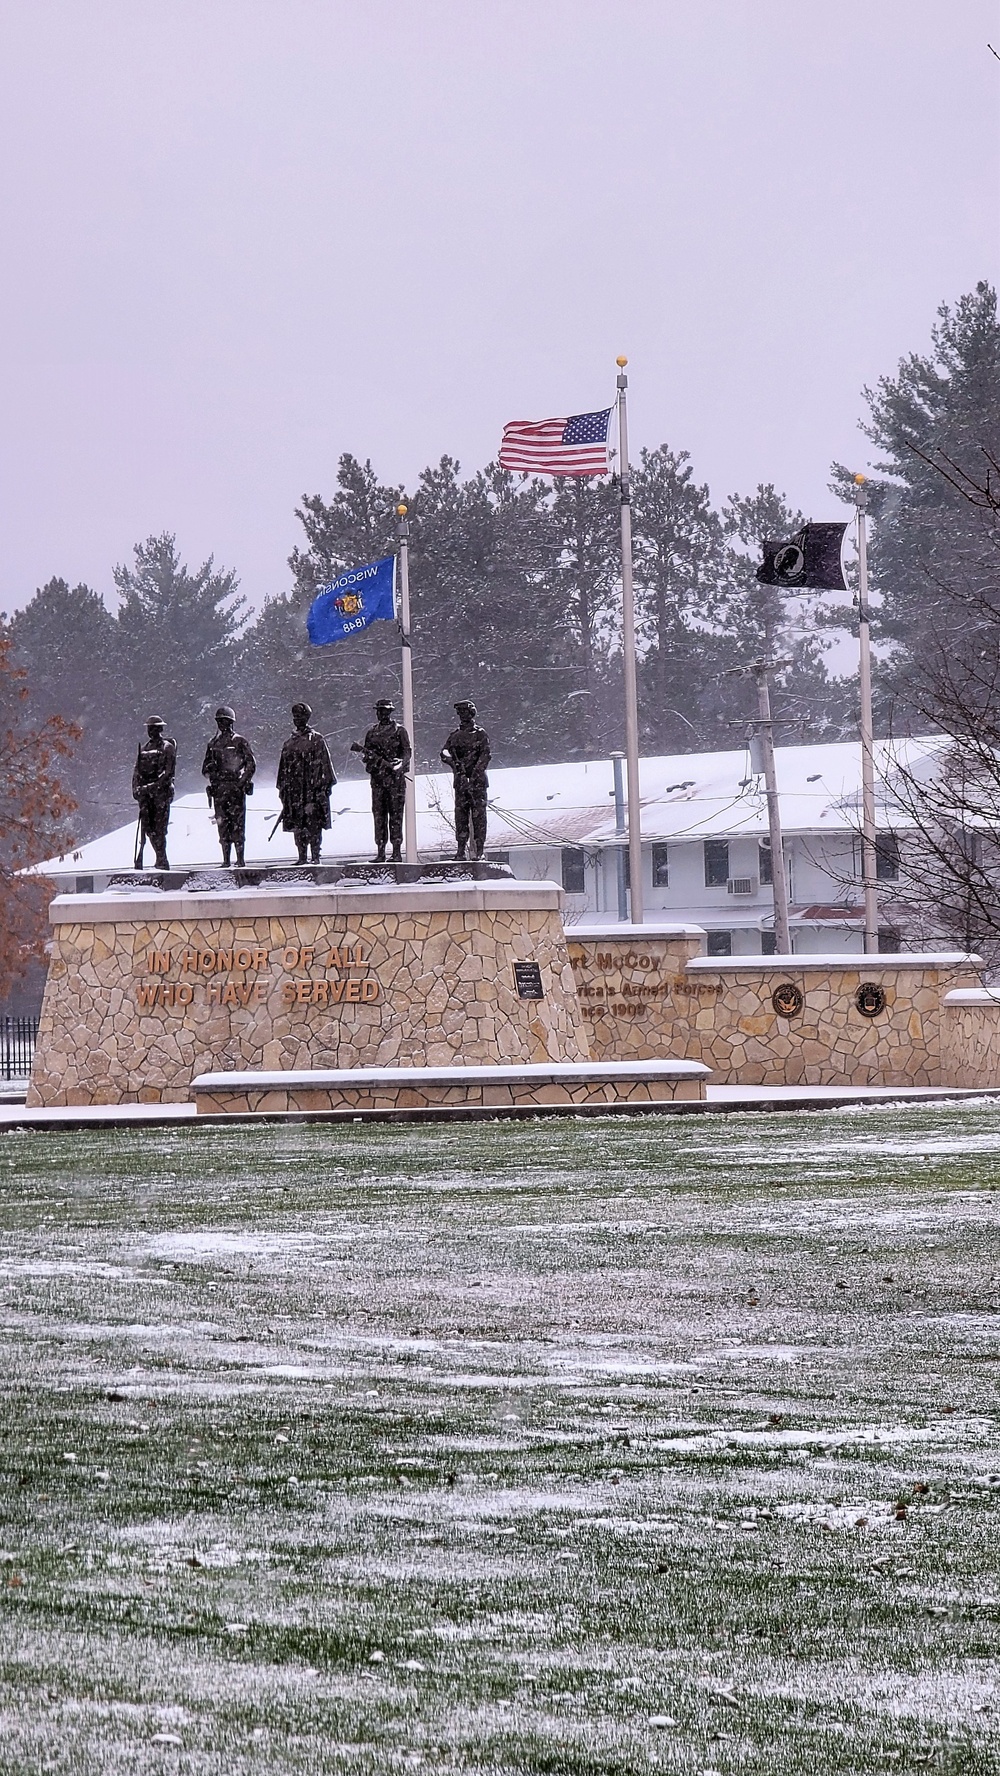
810,558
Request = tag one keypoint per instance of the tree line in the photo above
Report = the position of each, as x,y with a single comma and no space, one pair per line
515,589
515,593
936,557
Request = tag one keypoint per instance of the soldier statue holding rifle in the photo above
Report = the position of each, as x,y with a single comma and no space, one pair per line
386,753
153,789
305,779
467,751
229,766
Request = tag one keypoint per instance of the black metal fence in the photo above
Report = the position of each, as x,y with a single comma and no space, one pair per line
18,1036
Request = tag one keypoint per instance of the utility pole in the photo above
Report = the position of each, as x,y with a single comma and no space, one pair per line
410,806
869,868
620,853
628,660
779,881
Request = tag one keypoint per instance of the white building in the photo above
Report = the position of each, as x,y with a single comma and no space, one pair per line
706,857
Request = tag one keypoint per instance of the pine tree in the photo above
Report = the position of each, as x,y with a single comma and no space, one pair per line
278,666
490,621
762,622
933,562
680,560
489,616
358,525
582,523
66,640
178,634
516,601
936,564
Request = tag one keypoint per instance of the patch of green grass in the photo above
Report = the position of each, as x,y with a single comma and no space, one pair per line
569,1447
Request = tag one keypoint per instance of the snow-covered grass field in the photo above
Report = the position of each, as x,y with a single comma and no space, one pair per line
597,1447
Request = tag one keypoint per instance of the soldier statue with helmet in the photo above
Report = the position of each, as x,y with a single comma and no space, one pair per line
467,752
386,753
153,789
229,765
305,778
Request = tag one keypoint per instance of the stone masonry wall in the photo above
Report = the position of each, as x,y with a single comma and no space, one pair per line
635,996
643,1000
142,995
135,1006
740,1034
970,1038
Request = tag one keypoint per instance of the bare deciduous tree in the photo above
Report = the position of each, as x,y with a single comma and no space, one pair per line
34,809
949,802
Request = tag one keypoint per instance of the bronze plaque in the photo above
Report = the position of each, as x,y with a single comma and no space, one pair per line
870,999
787,999
528,980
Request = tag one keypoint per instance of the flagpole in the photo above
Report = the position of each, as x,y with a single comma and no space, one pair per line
779,881
868,852
628,656
410,809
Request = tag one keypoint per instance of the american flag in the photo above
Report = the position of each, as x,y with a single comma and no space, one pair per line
574,446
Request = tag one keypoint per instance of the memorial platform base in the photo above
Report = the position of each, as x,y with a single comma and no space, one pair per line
609,1083
149,987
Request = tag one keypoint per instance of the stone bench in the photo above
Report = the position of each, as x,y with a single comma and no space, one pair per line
540,1085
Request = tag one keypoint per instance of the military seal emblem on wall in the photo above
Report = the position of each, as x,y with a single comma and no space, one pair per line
870,999
787,999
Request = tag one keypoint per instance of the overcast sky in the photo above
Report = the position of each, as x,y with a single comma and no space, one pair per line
243,236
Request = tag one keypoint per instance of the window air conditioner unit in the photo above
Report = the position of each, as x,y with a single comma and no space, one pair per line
741,885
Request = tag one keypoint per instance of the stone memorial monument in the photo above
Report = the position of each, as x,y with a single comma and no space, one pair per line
148,987
440,986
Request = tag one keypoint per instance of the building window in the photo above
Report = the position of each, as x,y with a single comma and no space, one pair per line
720,943
768,943
717,867
574,870
618,859
498,857
888,941
764,870
887,857
661,866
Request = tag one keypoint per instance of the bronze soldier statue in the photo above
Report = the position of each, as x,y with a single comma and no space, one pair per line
305,779
229,766
153,789
467,751
386,753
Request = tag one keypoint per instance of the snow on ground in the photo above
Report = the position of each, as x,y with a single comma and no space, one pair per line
591,1447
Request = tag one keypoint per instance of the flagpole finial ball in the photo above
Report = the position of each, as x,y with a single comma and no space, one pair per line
859,480
621,362
401,511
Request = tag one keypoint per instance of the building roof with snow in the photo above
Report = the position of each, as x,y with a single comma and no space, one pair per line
685,797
